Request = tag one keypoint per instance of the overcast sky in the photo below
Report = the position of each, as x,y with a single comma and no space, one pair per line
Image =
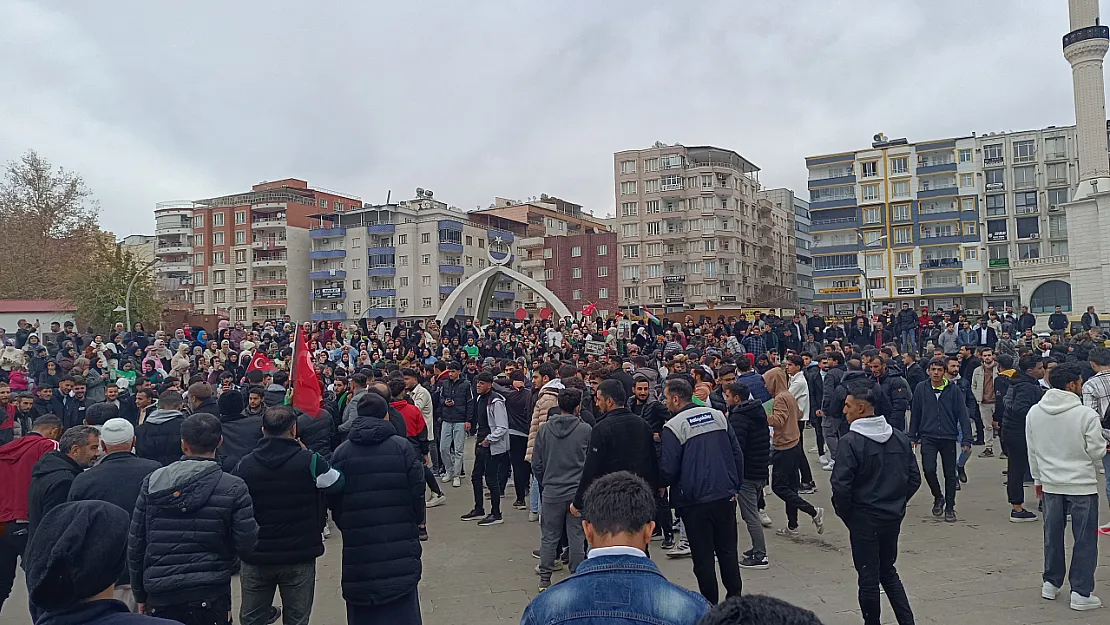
156,101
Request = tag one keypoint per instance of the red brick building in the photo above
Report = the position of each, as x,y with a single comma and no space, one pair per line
582,269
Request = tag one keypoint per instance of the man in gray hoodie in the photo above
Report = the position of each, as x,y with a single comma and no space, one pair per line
558,458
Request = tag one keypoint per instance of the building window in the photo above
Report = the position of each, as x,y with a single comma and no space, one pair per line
869,170
402,261
870,192
631,272
426,237
971,278
482,242
898,165
1024,151
906,282
547,252
218,296
469,261
1057,197
873,262
900,189
217,238
872,215
903,235
967,180
217,258
240,237
219,276
996,205
425,281
628,167
709,245
575,251
1057,226
426,302
602,271
969,228
240,295
548,274
1028,227
876,284
240,217
602,250
904,260
652,206
1057,173
971,253
992,153
576,294
576,272
240,256
628,209
198,297
902,212
603,293
356,284
1029,251
425,259
240,275
654,228
631,251
356,263
402,239
967,203
965,155
217,219
1025,177
628,187
836,261
198,221
1058,248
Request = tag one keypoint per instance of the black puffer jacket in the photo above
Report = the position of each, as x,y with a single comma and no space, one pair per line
191,522
241,435
159,437
897,391
317,432
378,512
1024,393
51,478
652,411
749,422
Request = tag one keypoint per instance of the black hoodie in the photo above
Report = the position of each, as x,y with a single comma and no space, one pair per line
378,511
51,478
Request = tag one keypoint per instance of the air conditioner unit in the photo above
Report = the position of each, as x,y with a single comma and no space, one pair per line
1035,235
1052,208
974,312
1013,287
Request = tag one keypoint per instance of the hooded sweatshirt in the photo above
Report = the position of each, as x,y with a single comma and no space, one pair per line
17,458
875,472
784,412
559,456
159,436
1065,444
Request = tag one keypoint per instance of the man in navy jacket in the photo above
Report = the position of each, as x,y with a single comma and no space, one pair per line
938,421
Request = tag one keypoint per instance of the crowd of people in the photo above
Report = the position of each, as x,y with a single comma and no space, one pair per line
611,434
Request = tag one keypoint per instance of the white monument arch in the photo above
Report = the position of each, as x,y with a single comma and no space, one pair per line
483,282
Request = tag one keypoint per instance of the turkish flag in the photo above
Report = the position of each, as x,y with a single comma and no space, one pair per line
588,309
261,362
307,394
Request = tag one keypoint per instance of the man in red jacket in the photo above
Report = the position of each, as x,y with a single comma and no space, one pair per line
16,460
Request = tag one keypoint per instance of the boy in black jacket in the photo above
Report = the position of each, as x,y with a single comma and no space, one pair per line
748,419
874,477
938,420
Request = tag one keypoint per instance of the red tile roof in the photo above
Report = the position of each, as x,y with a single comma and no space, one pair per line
34,305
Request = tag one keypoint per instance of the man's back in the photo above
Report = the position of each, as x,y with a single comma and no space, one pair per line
159,436
1065,444
875,471
616,589
621,441
117,479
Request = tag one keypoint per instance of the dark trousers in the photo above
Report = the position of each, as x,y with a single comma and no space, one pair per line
13,542
402,611
816,421
930,448
215,611
295,582
1017,465
489,466
785,483
898,422
711,530
803,464
522,469
431,481
874,550
977,423
663,518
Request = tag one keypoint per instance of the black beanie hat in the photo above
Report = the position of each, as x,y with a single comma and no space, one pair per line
79,549
372,405
231,403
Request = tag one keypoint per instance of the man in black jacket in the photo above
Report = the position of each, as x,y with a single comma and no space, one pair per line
748,419
456,404
287,483
655,414
117,479
378,512
938,421
912,370
202,399
875,476
53,474
895,388
834,371
159,437
241,432
1058,322
518,405
908,324
189,580
63,406
1024,392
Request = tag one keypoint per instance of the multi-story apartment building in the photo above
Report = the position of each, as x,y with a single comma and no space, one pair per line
141,246
1027,178
803,241
245,255
692,233
566,249
402,260
897,222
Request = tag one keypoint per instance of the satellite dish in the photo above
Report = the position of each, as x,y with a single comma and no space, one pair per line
878,137
428,192
419,191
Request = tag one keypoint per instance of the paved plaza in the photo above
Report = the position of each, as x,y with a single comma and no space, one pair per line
980,571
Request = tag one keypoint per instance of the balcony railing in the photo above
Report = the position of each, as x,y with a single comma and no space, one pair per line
941,263
1040,262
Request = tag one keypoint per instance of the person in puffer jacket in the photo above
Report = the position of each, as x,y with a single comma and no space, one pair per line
192,497
748,419
241,432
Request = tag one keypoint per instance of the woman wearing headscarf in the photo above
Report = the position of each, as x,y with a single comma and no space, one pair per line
66,358
237,335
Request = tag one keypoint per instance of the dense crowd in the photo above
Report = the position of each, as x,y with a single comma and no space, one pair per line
192,456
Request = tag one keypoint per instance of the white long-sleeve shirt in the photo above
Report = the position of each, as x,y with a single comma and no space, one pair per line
799,388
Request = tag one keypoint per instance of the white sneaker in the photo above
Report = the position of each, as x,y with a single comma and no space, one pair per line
445,478
765,520
819,520
456,482
1079,602
823,459
681,550
813,449
533,517
1048,591
436,501
829,466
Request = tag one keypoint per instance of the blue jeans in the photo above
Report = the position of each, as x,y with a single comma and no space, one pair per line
295,582
451,440
909,340
534,496
1084,530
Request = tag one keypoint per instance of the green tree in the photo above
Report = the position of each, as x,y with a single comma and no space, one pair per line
100,286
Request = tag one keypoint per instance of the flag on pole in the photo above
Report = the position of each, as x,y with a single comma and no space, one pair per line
589,309
261,362
652,318
306,391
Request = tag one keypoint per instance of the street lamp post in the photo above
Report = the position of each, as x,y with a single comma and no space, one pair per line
866,283
127,296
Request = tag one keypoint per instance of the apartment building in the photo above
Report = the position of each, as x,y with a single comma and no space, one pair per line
692,233
566,249
141,246
785,200
244,255
1027,177
897,222
402,260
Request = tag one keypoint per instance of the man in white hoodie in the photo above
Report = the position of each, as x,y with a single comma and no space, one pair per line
1066,448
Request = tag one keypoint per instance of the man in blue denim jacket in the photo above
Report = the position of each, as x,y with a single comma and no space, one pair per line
617,583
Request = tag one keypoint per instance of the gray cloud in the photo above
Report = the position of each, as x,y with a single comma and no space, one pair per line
153,101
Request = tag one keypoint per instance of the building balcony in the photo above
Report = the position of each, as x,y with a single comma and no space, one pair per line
836,271
830,182
941,192
839,223
530,242
1041,262
446,289
505,236
268,222
507,295
845,248
326,254
269,244
172,249
175,266
276,301
941,263
940,240
388,313
329,293
329,316
996,161
452,269
382,270
327,274
184,208
941,289
382,292
279,261
451,248
183,229
935,169
532,263
837,294
836,203
273,282
375,251
327,233
381,228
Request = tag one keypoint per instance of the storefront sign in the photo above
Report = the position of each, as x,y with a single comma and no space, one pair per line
906,290
840,289
329,291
